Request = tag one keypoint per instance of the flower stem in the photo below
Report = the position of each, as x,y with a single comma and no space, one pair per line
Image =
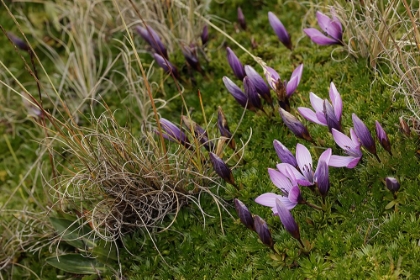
316,207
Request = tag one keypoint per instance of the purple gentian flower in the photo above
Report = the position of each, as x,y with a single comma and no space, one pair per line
288,221
251,92
235,64
263,232
383,137
205,35
190,55
280,30
331,26
284,90
166,65
284,154
173,133
259,83
241,19
363,133
351,147
222,169
153,39
306,176
325,114
236,92
392,184
291,194
199,132
244,215
295,125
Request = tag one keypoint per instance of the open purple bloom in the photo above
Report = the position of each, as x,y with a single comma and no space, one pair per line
291,194
325,114
205,35
235,64
165,64
295,125
259,83
280,30
392,184
383,137
173,133
284,154
244,215
251,92
284,90
363,134
236,92
153,39
330,26
241,19
263,232
351,147
305,176
287,220
222,169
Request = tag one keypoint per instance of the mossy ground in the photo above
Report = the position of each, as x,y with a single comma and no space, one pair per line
355,238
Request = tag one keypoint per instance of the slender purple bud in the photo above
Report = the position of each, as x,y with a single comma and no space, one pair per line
295,125
166,65
322,178
222,169
244,215
363,134
173,133
223,126
153,39
19,43
241,19
392,184
235,64
205,35
191,57
383,137
251,92
236,92
284,154
287,220
259,83
263,232
280,30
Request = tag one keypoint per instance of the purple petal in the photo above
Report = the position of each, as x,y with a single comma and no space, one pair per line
263,232
294,80
382,137
294,196
303,157
280,30
279,180
235,64
343,161
287,220
392,184
236,92
318,38
336,101
284,154
322,177
269,199
257,80
153,39
323,21
329,114
241,19
310,115
316,102
173,131
325,156
165,64
221,168
205,35
336,19
295,125
329,26
344,141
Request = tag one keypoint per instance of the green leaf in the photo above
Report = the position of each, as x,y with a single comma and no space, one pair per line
71,232
390,205
77,264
